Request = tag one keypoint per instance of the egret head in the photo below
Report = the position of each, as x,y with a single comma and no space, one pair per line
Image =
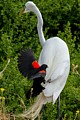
29,6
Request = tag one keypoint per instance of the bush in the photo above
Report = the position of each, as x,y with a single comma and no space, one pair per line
61,18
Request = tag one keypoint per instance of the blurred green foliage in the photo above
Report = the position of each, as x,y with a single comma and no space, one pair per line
61,18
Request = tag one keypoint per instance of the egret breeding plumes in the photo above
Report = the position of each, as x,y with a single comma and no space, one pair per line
55,55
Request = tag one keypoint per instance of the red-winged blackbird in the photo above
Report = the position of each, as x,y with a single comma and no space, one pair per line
29,67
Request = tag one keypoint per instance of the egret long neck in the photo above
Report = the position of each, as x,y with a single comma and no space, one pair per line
40,27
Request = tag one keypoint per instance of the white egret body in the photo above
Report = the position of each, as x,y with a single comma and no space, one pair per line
55,55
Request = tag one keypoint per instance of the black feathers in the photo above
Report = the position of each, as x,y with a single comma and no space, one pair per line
36,88
29,67
25,60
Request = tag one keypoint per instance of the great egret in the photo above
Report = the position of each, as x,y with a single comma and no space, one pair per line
55,55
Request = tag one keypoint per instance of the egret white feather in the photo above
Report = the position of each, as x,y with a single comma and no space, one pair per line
55,55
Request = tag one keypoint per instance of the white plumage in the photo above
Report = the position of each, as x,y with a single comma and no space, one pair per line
56,55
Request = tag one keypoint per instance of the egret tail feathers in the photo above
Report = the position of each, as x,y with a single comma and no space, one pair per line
35,109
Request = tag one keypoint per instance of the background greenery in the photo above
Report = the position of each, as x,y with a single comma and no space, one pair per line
61,18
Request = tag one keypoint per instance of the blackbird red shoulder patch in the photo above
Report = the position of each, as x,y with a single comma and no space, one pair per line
35,64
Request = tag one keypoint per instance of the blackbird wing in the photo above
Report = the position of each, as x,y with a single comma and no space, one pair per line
25,60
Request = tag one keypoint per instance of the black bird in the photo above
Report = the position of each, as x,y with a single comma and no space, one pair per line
29,67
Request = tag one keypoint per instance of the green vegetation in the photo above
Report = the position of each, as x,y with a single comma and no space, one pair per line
61,18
